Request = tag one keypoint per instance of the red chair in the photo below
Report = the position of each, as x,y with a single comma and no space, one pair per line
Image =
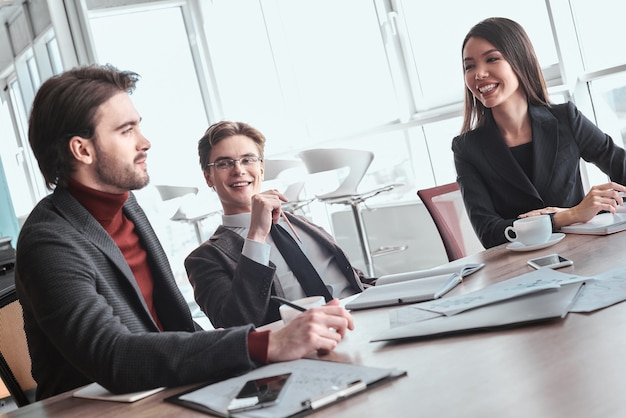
445,205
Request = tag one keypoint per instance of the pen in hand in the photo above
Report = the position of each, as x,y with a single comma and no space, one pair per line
290,225
288,303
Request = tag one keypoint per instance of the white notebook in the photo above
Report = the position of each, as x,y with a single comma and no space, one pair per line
602,224
410,291
95,391
412,286
435,271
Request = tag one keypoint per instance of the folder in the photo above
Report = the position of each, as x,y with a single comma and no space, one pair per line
543,305
315,384
601,224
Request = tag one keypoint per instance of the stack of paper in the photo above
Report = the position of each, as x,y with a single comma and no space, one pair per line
540,295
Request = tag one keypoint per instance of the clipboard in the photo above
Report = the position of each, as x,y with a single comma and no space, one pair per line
316,384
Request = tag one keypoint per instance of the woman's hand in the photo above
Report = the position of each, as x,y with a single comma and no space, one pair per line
603,197
544,211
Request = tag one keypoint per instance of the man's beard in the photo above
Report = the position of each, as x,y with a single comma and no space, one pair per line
111,172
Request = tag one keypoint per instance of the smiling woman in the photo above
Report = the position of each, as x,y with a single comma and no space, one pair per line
519,154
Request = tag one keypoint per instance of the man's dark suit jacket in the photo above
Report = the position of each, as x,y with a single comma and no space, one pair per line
234,290
85,317
495,188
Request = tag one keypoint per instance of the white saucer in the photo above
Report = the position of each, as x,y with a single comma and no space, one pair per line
518,246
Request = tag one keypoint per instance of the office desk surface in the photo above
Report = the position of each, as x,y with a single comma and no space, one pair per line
574,367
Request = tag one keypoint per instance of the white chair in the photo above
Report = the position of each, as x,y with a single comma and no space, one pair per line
183,213
357,162
275,169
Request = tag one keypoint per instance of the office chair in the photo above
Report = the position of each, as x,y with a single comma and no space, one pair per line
275,169
358,161
14,356
182,214
445,205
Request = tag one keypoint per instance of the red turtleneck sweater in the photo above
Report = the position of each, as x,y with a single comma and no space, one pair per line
107,209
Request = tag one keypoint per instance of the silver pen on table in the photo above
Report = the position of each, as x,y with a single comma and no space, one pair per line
335,394
457,278
454,280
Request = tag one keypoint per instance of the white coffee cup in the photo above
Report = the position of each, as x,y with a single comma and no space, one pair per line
287,313
530,231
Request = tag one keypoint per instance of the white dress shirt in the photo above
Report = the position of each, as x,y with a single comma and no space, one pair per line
262,253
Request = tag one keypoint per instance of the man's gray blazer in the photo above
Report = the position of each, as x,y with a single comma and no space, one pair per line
234,290
86,320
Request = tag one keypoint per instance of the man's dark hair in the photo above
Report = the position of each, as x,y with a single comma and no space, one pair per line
66,105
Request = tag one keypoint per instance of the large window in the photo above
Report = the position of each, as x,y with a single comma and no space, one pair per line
433,38
301,71
168,94
600,25
25,182
13,159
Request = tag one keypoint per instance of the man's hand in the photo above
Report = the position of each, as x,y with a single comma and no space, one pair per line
317,329
266,209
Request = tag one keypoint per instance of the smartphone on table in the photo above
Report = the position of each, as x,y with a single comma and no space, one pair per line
552,261
259,393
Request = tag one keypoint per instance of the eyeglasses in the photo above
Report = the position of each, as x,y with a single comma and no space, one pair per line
228,164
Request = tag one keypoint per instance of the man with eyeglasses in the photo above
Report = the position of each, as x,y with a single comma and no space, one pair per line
99,298
236,271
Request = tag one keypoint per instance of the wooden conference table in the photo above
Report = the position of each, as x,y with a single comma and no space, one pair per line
570,368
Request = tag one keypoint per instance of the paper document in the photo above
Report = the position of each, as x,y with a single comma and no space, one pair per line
310,382
602,224
550,303
534,281
96,391
605,289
